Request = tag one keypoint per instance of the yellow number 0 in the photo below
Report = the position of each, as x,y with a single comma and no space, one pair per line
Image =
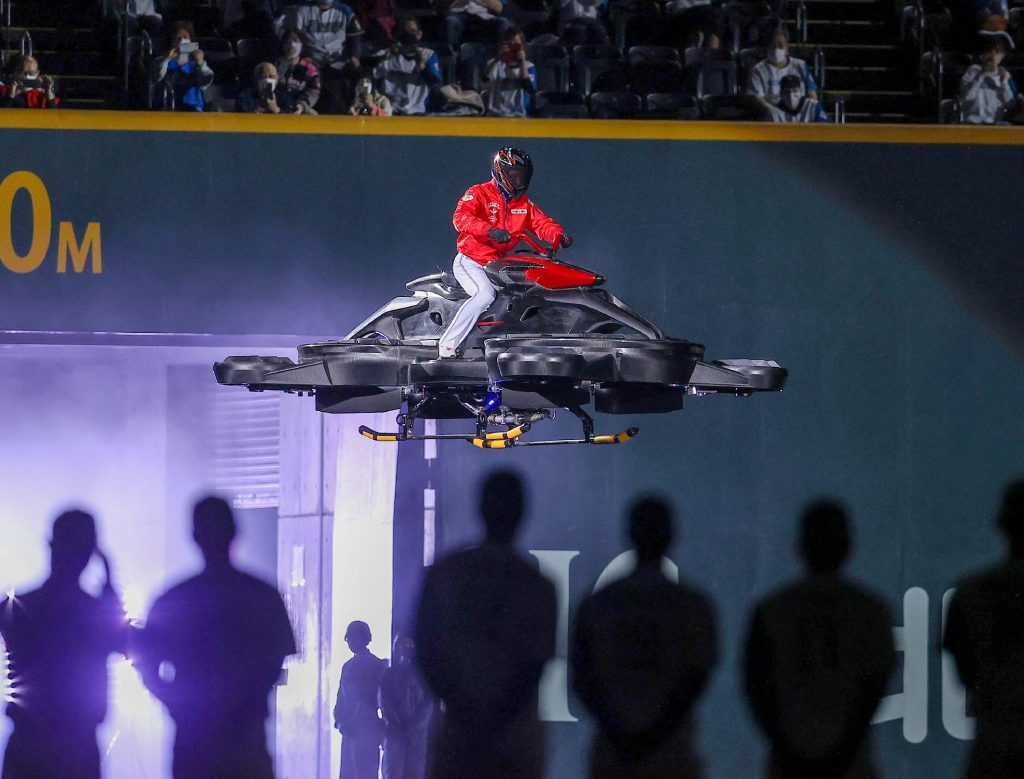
41,221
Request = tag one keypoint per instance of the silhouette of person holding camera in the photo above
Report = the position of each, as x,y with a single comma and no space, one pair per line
485,629
58,640
985,635
642,651
211,651
818,655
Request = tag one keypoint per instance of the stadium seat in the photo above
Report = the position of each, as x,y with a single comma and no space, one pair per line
655,69
250,52
727,107
746,59
415,9
670,105
473,59
598,69
635,29
531,16
700,64
552,63
217,51
220,55
657,54
950,112
614,105
715,77
560,105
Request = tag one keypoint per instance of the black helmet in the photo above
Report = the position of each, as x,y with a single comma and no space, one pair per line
512,170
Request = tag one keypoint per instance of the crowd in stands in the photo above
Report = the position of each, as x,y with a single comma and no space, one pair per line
682,59
965,45
508,58
460,696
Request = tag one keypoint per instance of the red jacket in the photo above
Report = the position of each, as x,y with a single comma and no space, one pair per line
483,207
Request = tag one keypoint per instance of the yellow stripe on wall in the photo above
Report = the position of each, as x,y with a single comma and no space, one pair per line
158,121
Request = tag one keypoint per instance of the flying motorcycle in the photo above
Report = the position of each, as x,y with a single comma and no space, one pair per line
554,338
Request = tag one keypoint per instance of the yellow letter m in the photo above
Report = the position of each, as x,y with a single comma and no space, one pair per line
79,253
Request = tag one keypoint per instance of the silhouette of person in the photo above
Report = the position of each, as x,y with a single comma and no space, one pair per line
985,635
211,651
355,712
406,710
642,650
58,640
818,655
485,628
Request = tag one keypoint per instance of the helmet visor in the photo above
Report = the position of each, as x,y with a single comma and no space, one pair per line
518,176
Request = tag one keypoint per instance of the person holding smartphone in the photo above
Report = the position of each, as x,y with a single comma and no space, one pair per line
182,72
58,639
29,88
510,79
266,95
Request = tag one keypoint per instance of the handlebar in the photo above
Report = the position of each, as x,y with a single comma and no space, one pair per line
526,238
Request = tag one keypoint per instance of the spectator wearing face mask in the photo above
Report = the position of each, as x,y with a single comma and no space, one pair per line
408,71
368,101
29,88
299,74
182,71
334,37
765,79
509,79
794,104
987,91
266,94
332,29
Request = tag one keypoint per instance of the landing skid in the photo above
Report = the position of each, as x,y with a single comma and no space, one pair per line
502,439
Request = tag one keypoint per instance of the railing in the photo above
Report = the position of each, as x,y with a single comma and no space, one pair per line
169,99
933,69
801,21
819,67
25,44
5,30
141,46
839,111
124,48
913,16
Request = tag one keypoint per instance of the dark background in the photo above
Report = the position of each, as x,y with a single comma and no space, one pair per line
886,277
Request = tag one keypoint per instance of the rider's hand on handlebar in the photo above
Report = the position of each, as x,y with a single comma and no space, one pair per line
565,240
498,235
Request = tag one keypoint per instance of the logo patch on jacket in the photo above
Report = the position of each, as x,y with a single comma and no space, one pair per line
468,196
518,210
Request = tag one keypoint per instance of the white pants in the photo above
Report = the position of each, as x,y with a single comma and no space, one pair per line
474,281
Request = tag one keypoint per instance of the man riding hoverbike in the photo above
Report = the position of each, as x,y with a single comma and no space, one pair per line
487,217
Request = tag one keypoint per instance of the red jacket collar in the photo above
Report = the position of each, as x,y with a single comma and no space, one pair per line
494,191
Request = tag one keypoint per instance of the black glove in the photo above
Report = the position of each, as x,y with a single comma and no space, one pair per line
566,240
498,235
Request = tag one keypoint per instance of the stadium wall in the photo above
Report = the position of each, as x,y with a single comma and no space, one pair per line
880,265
